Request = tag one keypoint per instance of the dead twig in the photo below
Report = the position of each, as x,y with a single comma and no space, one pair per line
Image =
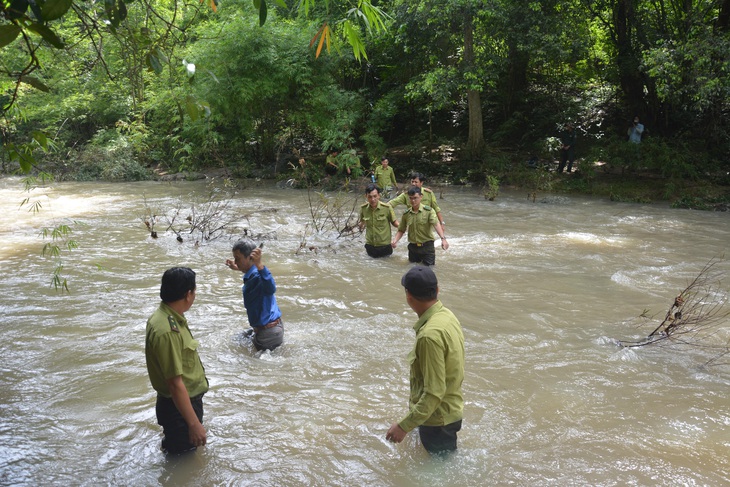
694,318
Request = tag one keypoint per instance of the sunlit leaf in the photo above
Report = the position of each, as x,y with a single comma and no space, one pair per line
8,33
319,32
322,39
41,138
55,9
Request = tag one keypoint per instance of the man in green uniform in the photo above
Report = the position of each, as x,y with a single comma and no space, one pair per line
437,368
173,364
376,218
419,220
429,197
385,177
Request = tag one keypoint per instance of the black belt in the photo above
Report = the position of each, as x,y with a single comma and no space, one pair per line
422,244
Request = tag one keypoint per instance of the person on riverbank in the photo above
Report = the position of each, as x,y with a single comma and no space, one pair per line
567,148
174,367
437,368
429,197
376,218
264,315
420,221
635,131
385,177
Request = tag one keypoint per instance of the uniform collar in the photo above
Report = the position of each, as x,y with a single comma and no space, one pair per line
427,315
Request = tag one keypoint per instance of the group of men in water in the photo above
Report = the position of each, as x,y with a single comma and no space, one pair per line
421,218
436,362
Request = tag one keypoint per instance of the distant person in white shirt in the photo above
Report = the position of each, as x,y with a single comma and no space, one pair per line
635,131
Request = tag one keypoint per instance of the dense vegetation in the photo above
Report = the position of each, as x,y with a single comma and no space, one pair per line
462,89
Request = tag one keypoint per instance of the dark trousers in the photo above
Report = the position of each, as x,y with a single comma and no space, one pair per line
439,439
566,155
378,250
424,253
177,437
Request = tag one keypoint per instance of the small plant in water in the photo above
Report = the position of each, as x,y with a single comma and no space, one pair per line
491,190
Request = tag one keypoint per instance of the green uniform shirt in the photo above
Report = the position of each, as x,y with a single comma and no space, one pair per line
437,370
385,178
377,223
171,350
428,198
419,224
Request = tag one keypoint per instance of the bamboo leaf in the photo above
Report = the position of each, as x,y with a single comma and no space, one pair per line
321,41
41,138
319,32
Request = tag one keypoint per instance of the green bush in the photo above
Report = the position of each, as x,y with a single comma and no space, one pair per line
108,157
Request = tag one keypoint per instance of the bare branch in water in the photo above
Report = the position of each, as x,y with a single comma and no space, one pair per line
694,318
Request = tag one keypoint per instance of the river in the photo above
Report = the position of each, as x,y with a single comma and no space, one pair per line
543,290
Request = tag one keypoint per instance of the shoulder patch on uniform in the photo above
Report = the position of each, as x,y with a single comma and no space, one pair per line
173,324
428,190
364,205
427,208
385,203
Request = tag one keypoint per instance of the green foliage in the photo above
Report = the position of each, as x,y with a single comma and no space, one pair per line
491,190
108,157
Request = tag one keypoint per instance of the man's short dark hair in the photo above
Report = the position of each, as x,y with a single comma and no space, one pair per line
244,246
176,282
419,176
372,187
414,190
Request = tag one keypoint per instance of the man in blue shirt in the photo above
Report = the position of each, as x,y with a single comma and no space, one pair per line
264,315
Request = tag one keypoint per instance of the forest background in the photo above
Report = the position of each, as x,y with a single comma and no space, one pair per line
466,91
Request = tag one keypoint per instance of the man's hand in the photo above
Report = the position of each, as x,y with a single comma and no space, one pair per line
197,434
395,433
256,256
232,265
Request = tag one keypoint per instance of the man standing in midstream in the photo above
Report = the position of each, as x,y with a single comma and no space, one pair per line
264,315
437,367
420,220
376,218
429,197
173,364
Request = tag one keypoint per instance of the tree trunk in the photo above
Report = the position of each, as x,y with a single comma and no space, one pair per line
518,61
723,18
627,60
475,144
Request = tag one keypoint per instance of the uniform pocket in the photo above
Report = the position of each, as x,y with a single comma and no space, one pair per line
189,353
